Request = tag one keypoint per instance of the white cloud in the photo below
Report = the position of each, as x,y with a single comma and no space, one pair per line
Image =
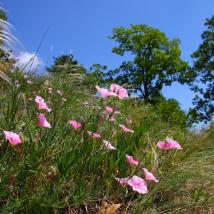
28,61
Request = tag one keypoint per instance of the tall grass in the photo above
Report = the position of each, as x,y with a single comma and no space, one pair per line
61,169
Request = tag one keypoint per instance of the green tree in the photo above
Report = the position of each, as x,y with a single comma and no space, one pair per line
204,68
95,76
66,64
155,63
170,111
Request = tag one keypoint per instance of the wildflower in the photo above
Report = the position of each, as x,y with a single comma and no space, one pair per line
149,176
42,122
122,181
104,92
168,143
137,184
74,124
41,104
119,90
108,109
94,135
12,137
125,129
108,145
131,160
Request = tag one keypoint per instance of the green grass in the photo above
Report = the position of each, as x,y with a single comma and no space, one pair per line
60,169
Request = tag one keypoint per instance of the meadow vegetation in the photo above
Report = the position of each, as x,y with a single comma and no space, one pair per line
63,169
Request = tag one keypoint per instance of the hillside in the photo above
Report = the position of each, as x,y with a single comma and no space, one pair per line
64,168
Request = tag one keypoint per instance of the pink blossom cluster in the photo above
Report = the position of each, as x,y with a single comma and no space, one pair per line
114,91
135,182
41,119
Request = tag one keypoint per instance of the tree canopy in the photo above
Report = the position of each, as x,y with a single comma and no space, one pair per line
66,63
204,68
156,60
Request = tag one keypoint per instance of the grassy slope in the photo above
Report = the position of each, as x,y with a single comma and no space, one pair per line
62,169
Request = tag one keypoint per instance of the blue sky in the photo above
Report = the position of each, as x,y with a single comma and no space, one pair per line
82,27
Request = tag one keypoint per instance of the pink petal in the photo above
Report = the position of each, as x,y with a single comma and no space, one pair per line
115,87
137,184
108,109
12,137
123,93
104,92
94,135
119,90
42,122
149,176
168,143
122,181
74,124
125,129
108,145
41,104
131,160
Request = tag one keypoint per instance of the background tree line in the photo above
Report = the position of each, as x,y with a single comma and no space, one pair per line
155,61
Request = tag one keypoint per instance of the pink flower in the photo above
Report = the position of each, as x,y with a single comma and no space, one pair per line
40,103
74,124
104,92
149,176
42,122
137,184
108,109
125,129
94,135
108,145
119,90
131,160
168,143
115,88
122,181
12,137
